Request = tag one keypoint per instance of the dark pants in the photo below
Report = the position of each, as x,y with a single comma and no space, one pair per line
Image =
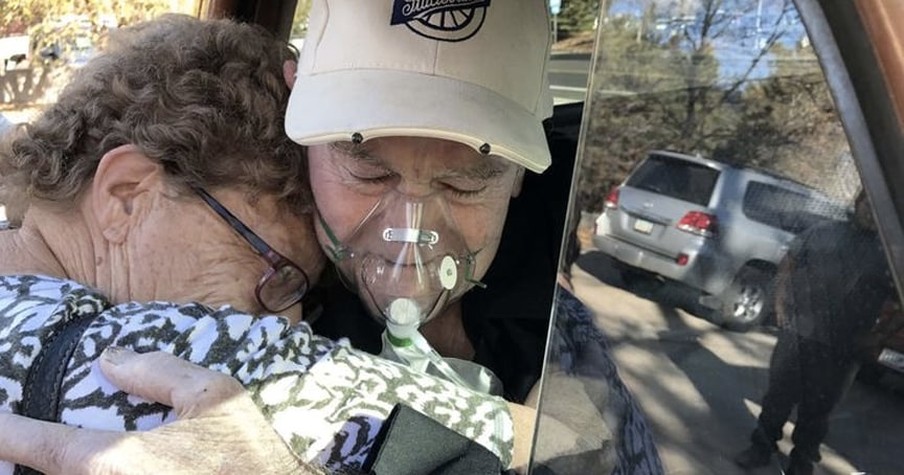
812,376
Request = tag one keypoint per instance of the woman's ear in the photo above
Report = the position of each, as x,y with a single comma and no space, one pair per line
121,182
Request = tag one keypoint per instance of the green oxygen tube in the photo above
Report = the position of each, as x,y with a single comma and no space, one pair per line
404,343
403,315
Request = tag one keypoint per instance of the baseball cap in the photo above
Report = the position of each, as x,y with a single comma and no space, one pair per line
470,71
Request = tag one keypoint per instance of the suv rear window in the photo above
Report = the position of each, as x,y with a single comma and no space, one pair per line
786,209
676,178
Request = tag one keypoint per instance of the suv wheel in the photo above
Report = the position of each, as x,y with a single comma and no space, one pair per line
747,302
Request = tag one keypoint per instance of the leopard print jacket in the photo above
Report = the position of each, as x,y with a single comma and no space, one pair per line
324,398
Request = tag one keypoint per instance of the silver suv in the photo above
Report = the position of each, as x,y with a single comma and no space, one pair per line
720,229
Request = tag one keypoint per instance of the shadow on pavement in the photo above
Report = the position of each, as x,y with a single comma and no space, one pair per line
644,285
723,377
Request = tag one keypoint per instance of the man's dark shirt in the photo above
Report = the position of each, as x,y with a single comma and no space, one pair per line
839,280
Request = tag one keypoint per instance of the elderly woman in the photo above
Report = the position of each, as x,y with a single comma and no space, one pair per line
159,206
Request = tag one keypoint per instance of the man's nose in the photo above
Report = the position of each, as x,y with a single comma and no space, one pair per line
416,188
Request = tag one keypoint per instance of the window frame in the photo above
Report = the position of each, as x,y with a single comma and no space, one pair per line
844,44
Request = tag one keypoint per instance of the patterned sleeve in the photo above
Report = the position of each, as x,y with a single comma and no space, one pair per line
326,399
581,353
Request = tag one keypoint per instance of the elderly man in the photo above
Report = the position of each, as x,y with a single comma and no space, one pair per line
424,131
422,119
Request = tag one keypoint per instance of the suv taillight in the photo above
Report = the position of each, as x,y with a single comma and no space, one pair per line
612,198
698,222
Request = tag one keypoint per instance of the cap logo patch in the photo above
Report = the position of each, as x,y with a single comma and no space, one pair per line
443,20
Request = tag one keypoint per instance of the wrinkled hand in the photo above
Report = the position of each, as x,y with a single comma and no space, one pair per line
220,430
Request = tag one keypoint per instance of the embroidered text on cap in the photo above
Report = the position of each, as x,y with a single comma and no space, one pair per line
443,20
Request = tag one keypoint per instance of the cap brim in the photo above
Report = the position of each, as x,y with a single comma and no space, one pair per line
330,107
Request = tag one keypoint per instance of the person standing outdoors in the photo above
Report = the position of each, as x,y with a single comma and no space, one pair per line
830,290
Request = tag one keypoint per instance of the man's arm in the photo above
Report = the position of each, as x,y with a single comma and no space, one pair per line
220,429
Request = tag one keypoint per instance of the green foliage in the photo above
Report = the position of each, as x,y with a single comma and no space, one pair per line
577,16
300,20
70,23
63,34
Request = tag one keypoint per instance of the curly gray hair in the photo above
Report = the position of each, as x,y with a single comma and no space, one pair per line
204,98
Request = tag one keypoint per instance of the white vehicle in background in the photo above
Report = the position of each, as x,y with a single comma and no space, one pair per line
13,52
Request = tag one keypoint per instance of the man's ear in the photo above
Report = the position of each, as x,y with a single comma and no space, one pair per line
289,75
519,182
123,177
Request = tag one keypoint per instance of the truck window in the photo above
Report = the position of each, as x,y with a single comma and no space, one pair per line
676,178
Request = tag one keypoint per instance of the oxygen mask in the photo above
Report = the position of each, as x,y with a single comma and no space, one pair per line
407,260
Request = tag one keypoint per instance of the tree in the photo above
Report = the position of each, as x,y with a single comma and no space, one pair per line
66,29
725,79
577,16
790,126
59,22
300,20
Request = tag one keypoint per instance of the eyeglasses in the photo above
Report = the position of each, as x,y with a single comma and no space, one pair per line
284,283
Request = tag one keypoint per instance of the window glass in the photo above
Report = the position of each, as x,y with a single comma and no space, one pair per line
675,178
771,312
792,211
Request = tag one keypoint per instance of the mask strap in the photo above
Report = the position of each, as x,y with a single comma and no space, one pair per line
336,247
338,250
472,264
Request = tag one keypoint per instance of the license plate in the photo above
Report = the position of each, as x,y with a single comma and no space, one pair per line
643,226
892,359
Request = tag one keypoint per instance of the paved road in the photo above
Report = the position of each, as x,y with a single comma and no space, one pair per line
568,78
568,74
700,385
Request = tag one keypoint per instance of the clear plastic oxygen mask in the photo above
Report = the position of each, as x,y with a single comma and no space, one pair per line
408,261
